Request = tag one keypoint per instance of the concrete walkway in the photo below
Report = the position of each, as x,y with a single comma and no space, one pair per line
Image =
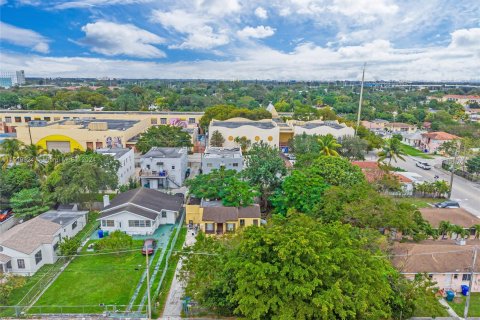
173,305
450,311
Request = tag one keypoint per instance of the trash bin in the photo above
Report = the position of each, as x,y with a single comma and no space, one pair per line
450,295
465,290
105,233
100,234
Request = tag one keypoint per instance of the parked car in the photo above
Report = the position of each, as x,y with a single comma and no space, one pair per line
423,165
149,246
5,214
447,204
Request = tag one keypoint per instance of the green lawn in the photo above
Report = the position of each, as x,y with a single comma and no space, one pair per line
474,305
418,202
93,279
411,151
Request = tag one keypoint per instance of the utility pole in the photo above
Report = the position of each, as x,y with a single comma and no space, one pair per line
360,101
452,172
470,283
149,305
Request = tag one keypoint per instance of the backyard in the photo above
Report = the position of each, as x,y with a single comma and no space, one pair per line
459,305
94,279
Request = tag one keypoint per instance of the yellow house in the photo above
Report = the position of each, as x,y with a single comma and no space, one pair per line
213,218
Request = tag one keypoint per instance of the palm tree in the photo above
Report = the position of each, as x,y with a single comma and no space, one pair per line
33,154
10,150
477,231
444,228
392,150
328,145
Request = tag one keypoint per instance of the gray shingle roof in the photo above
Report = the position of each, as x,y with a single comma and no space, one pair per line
28,236
157,152
143,197
221,214
133,209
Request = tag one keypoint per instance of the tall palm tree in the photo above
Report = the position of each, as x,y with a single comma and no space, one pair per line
32,155
444,228
328,145
11,150
477,231
392,149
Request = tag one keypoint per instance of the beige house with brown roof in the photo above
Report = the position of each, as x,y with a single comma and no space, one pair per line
28,246
456,216
446,262
213,218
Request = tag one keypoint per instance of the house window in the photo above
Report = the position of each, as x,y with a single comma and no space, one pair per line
466,277
235,164
38,257
242,222
153,121
255,222
21,263
1,248
108,223
191,120
164,214
148,223
455,276
230,227
47,118
55,246
163,120
74,225
209,227
173,167
8,119
28,119
18,119
148,167
138,223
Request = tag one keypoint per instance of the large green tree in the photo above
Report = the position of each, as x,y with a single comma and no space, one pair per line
296,268
28,203
264,169
224,112
354,148
163,136
10,151
337,171
217,139
16,178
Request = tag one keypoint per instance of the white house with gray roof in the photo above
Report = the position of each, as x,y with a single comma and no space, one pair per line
265,130
217,158
163,168
322,128
140,211
126,157
28,246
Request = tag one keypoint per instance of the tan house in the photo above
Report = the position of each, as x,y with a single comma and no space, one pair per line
457,216
431,141
446,262
213,218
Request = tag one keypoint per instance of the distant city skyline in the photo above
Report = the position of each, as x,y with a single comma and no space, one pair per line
431,40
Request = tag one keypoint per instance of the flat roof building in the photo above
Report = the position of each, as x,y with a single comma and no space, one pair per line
217,158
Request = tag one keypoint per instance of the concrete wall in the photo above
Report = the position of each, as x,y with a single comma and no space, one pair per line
209,164
252,133
448,281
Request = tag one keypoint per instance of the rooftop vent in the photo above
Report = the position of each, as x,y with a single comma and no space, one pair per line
98,126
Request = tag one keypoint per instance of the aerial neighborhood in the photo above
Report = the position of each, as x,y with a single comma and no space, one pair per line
222,212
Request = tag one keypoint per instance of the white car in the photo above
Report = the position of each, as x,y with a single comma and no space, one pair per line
423,165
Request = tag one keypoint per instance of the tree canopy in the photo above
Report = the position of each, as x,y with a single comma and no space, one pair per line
163,136
337,171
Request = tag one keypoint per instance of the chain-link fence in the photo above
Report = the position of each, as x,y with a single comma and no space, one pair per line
80,311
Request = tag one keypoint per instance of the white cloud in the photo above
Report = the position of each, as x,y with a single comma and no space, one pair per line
363,10
24,38
261,13
257,32
466,38
199,33
112,39
2,2
306,62
95,3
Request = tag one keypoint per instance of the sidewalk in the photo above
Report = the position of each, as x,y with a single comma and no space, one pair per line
173,305
450,311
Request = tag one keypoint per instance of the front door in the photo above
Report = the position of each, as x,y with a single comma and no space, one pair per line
219,228
448,281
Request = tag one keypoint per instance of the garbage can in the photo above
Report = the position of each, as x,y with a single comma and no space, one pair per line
465,290
450,295
105,233
100,234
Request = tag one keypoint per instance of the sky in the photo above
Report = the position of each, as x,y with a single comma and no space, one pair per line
434,40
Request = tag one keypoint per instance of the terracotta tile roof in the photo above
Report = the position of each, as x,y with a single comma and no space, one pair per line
457,96
434,256
370,169
440,135
457,216
402,178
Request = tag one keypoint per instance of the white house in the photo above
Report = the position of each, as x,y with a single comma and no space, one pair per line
126,157
28,246
140,211
322,128
218,157
164,167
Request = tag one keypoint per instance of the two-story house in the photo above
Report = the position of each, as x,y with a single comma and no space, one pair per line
126,158
217,158
163,168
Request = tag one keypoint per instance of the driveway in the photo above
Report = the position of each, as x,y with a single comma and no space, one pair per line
467,193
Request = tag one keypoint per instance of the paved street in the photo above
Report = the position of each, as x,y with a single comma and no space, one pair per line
465,192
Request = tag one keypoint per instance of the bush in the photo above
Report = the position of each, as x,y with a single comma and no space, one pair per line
69,246
117,240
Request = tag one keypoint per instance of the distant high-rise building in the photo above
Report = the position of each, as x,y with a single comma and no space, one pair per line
9,79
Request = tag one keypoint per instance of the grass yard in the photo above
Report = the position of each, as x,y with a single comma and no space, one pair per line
474,305
411,151
418,202
94,279
420,312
